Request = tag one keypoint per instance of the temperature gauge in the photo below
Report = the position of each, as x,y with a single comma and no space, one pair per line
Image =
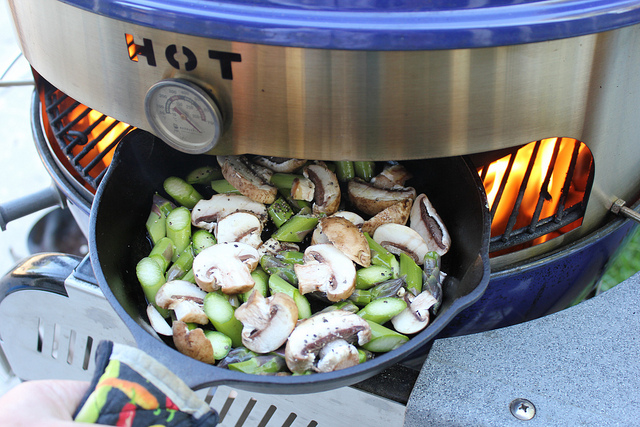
183,115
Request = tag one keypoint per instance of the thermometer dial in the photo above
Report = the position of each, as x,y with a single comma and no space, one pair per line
183,115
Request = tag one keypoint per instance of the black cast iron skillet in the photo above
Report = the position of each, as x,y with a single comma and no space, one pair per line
118,241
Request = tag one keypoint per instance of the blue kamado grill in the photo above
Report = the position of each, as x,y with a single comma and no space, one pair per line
488,82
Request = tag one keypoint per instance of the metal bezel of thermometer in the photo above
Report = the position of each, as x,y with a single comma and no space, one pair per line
183,115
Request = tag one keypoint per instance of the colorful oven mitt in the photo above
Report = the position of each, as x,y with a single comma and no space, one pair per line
132,389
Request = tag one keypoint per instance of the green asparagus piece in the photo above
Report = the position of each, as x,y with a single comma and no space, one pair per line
364,170
189,276
280,211
382,310
237,354
369,276
261,279
221,314
389,288
296,228
278,284
381,256
162,252
431,278
342,305
151,278
412,273
364,355
156,222
181,191
220,342
360,297
179,229
183,264
384,339
202,239
259,365
345,170
273,265
291,257
284,180
203,175
222,186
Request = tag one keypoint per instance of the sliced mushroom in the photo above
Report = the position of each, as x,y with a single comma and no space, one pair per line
267,322
392,175
356,219
338,354
192,343
313,334
397,213
398,238
247,178
426,221
279,164
327,189
371,200
226,266
302,189
207,213
328,270
318,237
344,235
185,299
415,317
241,227
158,323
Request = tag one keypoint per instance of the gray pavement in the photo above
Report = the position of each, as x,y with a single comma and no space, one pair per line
21,171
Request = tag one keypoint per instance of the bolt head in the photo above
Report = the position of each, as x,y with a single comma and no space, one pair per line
522,409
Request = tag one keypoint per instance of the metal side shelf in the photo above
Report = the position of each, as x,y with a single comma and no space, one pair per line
52,321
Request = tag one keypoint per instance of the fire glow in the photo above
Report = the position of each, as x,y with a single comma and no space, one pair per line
91,137
538,183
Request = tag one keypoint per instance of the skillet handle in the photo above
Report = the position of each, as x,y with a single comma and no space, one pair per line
29,204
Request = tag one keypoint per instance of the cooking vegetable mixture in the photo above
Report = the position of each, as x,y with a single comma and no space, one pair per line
292,266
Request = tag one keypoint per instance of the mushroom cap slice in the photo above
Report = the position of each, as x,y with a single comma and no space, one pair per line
327,188
426,221
158,323
314,333
226,266
185,299
415,317
192,343
206,213
326,269
371,200
303,189
318,237
347,237
397,213
241,227
267,322
392,175
247,178
338,354
279,164
398,238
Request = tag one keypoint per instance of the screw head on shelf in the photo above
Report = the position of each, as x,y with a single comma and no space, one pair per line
522,409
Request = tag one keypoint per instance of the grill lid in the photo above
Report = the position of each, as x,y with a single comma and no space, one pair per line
375,25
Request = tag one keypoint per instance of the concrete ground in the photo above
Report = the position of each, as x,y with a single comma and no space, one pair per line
21,171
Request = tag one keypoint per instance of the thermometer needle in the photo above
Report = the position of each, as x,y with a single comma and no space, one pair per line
184,117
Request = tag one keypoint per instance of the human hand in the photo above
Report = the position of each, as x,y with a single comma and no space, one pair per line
49,403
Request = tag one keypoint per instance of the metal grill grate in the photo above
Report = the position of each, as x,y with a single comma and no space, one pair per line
85,137
572,187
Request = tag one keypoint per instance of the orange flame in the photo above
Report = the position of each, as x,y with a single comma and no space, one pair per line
540,169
